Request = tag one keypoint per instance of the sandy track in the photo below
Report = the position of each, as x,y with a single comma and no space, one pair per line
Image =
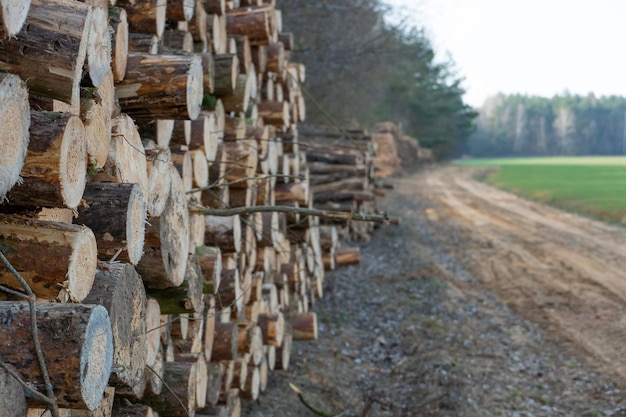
565,272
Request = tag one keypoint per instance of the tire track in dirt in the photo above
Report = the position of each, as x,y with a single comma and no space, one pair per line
565,272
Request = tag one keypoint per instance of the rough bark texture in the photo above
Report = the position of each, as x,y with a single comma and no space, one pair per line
120,290
55,168
57,260
78,349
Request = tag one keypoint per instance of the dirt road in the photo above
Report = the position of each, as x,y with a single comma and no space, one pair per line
479,304
562,271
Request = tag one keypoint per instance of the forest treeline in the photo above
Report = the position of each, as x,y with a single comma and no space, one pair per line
566,124
362,70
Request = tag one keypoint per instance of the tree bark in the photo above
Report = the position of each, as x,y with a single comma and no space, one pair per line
273,327
224,232
257,23
226,72
57,260
142,43
185,298
119,289
167,241
15,121
162,86
55,168
180,10
159,180
116,213
180,378
54,69
275,113
145,16
225,342
78,349
126,162
118,20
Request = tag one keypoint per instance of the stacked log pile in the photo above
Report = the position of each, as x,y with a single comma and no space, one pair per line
341,173
121,121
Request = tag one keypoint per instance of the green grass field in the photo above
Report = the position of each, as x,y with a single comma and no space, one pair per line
592,186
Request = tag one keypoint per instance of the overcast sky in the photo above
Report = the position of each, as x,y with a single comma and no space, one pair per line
539,47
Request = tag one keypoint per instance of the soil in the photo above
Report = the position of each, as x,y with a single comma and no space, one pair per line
479,304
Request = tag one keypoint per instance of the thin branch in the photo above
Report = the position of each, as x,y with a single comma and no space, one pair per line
239,180
28,389
170,390
382,218
52,402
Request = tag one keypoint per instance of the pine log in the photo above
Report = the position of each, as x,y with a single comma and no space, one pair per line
184,298
54,171
116,213
252,386
226,72
98,44
105,409
292,191
145,16
276,58
227,380
229,292
15,121
180,379
120,290
225,341
50,70
57,260
208,72
78,349
159,180
118,21
167,239
234,128
275,113
180,10
142,43
239,100
240,373
204,135
224,232
126,162
256,23
153,323
13,14
39,412
154,374
209,327
273,327
210,260
181,133
244,53
96,118
162,86
176,41
216,27
347,256
303,326
283,354
198,28
215,373
12,398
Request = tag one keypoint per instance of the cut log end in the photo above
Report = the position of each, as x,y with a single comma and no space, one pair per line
81,270
99,46
14,15
195,90
73,164
15,121
96,357
135,225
